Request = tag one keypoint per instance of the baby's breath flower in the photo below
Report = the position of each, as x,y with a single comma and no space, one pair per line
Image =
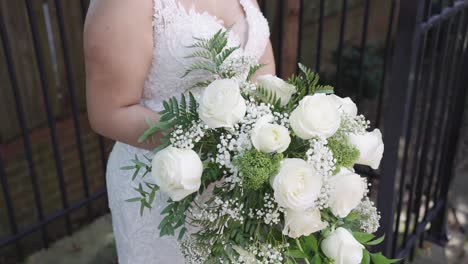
186,138
321,157
368,215
353,124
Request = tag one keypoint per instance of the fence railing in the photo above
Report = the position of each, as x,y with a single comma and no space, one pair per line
421,129
399,60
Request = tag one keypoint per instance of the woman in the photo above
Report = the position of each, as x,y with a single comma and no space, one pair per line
134,53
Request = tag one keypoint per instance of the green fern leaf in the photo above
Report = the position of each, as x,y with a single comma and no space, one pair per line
253,70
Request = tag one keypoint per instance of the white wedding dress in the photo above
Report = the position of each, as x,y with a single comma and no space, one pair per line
137,237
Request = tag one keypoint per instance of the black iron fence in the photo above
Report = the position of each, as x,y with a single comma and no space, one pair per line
426,104
401,61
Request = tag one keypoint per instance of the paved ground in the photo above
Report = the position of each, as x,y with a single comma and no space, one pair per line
94,244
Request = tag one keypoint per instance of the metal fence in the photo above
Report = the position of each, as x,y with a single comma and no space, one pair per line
39,50
412,87
428,84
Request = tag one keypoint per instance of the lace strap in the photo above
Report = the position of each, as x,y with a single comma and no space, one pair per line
163,10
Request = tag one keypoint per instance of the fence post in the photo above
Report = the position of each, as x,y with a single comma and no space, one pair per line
290,37
401,80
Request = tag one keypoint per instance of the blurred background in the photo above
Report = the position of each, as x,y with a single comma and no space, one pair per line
404,62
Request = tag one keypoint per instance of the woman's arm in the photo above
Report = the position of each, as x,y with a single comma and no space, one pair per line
118,43
267,58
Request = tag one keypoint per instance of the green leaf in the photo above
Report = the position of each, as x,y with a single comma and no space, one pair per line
138,163
294,253
316,259
253,70
148,121
168,209
142,207
160,147
149,132
127,168
182,233
151,197
135,174
376,241
378,258
165,222
132,200
311,242
365,257
363,237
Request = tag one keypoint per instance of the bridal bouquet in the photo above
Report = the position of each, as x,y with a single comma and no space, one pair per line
262,171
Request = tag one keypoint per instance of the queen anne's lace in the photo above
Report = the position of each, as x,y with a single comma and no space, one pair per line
174,29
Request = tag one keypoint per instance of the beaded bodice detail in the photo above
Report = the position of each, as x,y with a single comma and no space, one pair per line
175,28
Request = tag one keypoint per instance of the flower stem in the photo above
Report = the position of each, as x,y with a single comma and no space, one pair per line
298,243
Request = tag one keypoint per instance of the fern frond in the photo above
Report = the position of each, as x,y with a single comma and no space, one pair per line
201,84
224,54
193,105
213,52
253,69
201,65
312,81
268,96
174,114
204,54
306,83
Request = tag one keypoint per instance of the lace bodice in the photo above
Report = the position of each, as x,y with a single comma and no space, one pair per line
174,27
174,30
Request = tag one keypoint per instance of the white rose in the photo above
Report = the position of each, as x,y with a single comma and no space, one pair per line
342,247
282,89
348,189
297,185
370,146
222,104
268,137
345,104
302,223
177,172
316,115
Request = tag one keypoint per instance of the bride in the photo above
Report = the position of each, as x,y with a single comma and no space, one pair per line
135,57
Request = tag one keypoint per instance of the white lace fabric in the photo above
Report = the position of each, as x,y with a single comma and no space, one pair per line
137,237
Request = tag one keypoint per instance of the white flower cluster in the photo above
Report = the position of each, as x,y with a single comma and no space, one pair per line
219,208
227,144
369,216
185,139
231,208
238,66
322,201
321,157
193,252
270,213
261,253
281,119
238,139
354,124
255,110
248,87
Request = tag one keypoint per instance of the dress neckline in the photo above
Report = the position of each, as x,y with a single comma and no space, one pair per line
219,21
